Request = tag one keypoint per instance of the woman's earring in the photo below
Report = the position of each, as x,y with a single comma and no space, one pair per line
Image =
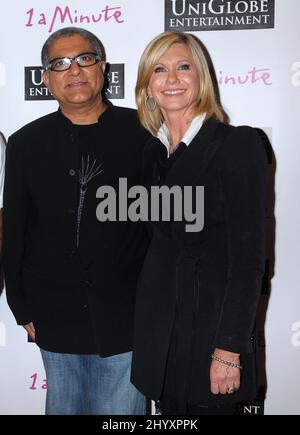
150,104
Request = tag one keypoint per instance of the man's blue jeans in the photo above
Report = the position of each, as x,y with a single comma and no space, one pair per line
91,385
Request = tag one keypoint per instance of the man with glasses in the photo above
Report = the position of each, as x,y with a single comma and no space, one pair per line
70,279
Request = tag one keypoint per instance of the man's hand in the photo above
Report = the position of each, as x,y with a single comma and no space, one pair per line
30,329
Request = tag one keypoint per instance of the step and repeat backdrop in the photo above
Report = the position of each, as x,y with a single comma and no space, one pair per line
254,46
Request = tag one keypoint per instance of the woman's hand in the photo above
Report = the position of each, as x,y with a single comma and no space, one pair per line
224,378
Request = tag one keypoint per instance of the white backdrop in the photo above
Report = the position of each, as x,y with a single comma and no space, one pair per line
259,75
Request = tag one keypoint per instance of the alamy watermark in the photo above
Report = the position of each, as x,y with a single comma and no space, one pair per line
159,203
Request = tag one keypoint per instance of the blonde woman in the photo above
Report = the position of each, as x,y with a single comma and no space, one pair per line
195,343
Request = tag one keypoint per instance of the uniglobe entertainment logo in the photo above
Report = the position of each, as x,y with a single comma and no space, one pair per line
114,84
201,15
36,90
34,86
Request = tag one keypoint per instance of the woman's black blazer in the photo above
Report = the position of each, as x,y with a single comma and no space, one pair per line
205,286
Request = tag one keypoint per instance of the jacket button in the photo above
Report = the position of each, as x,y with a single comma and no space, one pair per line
71,211
72,172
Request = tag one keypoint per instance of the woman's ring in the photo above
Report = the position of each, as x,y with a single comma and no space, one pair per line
230,390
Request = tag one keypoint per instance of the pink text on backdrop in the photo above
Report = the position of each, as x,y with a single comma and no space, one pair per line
61,16
35,384
253,76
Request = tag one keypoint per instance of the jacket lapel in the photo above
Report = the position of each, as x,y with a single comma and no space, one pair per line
187,170
196,158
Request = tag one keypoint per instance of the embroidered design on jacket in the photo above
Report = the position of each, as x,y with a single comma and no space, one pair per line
86,174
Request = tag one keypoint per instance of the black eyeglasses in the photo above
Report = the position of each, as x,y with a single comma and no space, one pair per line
63,63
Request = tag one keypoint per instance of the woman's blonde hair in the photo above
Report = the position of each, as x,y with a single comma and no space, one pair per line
207,100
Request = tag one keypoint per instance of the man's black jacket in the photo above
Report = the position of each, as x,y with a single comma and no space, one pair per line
79,301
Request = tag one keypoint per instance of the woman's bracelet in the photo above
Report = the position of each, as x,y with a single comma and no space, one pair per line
227,363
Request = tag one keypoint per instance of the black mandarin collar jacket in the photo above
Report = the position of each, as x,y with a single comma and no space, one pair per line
78,303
